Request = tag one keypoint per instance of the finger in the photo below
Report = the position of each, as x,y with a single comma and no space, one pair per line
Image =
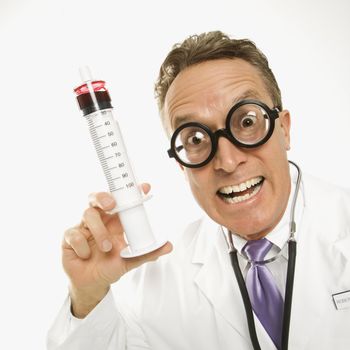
78,242
105,201
146,187
94,223
113,224
102,200
152,256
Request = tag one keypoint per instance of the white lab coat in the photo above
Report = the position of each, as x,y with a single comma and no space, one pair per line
190,299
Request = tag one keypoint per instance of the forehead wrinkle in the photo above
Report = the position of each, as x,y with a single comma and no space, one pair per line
208,89
203,85
181,96
248,94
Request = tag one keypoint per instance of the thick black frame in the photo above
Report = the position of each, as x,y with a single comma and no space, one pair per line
225,132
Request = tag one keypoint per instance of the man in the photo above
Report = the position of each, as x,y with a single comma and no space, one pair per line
222,107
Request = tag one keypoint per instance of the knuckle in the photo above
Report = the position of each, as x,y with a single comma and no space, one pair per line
92,197
96,198
100,195
68,232
77,239
89,213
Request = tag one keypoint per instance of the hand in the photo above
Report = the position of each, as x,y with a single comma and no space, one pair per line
91,253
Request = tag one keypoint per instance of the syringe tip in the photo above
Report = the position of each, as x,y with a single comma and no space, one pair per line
85,73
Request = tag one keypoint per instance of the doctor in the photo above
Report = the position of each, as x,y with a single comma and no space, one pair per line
221,106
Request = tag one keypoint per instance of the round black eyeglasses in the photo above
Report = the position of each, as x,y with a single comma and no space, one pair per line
249,124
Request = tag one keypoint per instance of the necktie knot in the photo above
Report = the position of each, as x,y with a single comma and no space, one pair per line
257,250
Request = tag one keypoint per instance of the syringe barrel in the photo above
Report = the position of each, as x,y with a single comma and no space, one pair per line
109,144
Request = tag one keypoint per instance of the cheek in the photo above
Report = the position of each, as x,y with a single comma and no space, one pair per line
276,153
198,180
192,178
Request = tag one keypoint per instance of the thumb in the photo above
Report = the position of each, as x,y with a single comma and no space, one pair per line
146,187
151,256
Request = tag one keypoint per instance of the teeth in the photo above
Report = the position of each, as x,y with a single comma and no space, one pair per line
234,189
241,187
242,198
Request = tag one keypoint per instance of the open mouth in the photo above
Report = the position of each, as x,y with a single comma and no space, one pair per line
242,191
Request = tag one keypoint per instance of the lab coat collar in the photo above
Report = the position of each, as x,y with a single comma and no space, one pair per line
315,278
215,278
217,281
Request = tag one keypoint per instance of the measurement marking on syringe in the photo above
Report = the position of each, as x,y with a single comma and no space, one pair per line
98,126
115,167
117,189
116,178
100,137
109,157
105,147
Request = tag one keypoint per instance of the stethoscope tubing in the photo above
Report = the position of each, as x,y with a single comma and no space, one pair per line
246,300
292,251
287,300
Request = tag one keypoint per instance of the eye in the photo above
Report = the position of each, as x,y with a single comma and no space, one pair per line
195,138
248,120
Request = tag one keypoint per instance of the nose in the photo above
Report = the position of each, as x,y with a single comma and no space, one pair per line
228,156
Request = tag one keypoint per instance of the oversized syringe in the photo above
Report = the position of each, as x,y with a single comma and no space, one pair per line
95,103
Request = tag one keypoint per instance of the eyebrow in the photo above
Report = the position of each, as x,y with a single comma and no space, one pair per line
248,94
182,119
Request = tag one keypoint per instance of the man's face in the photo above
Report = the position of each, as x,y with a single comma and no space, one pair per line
205,93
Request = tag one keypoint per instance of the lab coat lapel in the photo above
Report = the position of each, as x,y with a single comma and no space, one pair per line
315,281
216,278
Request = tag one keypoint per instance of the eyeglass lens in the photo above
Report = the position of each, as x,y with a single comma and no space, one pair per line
248,124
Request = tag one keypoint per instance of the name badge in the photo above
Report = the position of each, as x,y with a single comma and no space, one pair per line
342,300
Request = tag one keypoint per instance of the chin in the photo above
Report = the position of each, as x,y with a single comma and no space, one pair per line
255,229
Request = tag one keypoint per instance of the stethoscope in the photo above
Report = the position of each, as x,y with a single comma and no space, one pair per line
292,250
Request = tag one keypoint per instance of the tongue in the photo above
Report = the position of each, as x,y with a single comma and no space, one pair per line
242,193
248,190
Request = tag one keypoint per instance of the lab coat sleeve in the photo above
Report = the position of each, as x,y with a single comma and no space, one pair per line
105,328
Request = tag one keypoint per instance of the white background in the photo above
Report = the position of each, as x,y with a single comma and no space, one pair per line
48,164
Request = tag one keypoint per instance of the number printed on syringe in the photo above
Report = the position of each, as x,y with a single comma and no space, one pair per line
95,103
109,145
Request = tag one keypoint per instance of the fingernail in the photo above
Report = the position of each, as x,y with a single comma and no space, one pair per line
106,201
106,245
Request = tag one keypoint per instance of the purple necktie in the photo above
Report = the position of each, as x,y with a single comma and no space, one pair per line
265,297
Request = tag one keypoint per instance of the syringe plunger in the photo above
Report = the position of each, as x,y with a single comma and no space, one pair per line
85,73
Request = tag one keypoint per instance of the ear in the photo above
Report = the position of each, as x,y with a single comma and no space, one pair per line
284,120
